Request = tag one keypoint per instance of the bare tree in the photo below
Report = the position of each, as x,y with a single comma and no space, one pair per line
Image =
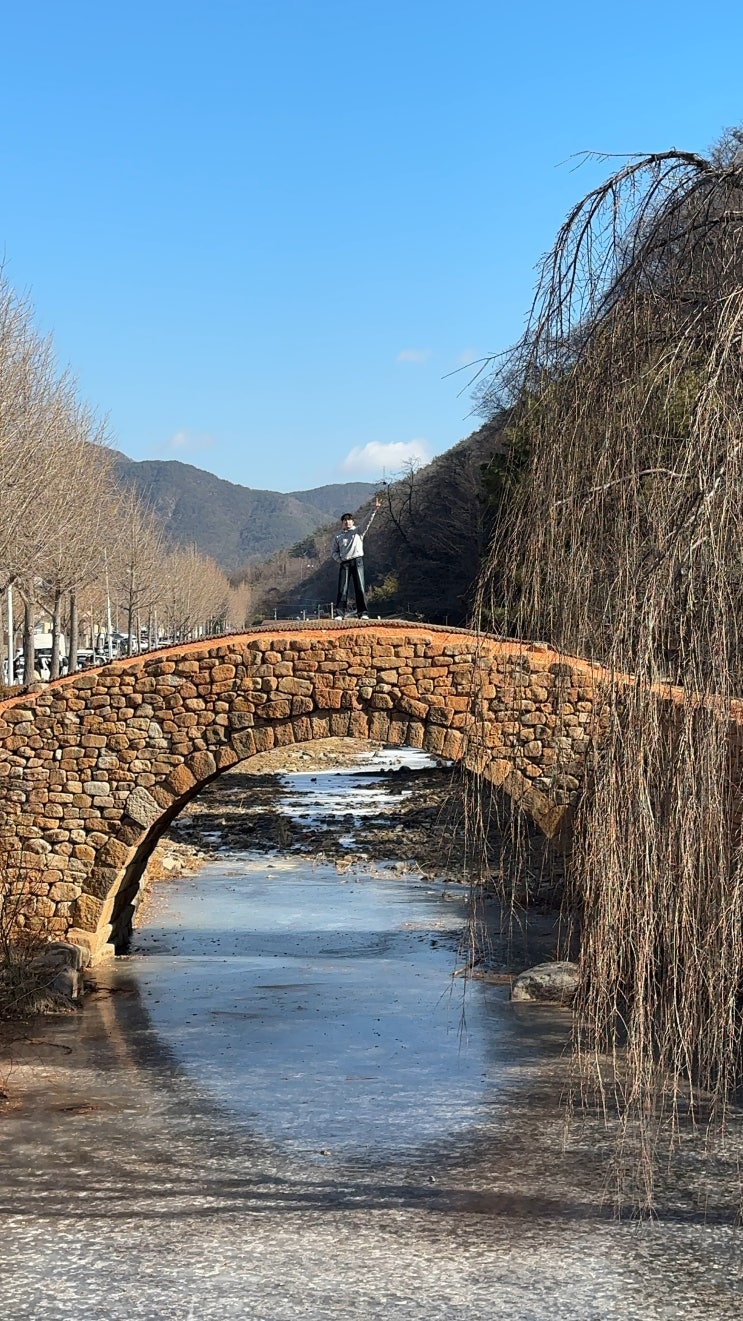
239,602
135,563
194,594
437,528
35,405
75,549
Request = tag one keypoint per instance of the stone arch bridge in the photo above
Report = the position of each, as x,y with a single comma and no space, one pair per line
94,767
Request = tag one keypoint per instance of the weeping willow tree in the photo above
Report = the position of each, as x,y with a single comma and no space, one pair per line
623,544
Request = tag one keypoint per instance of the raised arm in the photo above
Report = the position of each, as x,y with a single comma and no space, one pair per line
372,516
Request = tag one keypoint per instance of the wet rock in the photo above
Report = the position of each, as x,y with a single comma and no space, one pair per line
54,977
65,953
66,983
547,983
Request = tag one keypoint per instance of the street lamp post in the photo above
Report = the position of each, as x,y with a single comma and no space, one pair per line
109,644
11,633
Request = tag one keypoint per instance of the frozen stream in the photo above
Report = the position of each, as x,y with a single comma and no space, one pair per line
282,1105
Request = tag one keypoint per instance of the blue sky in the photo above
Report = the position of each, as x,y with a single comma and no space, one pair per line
264,233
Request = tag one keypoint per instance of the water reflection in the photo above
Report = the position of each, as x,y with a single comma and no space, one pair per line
317,1005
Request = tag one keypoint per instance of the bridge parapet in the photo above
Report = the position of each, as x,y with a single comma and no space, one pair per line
94,768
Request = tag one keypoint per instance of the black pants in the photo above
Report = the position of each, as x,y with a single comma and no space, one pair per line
351,571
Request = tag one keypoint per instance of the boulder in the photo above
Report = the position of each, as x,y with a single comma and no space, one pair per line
66,983
547,983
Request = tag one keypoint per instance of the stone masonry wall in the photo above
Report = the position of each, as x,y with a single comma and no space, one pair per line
94,767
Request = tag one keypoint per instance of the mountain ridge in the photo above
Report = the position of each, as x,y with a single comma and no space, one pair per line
233,524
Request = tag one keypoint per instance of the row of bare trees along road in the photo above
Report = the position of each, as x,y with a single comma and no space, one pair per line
76,549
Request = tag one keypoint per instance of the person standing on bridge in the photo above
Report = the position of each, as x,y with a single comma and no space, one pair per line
348,552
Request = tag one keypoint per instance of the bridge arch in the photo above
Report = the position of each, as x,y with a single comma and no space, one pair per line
95,767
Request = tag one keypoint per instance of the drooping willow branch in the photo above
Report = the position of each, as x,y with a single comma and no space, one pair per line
624,544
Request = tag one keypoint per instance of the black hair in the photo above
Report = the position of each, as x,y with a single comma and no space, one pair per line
346,516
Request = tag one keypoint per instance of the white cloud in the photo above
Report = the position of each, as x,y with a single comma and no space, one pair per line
468,357
375,459
413,355
184,443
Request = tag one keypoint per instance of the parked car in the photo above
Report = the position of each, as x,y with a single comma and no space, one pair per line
86,658
42,666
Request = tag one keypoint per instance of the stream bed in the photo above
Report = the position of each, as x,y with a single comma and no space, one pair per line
283,1103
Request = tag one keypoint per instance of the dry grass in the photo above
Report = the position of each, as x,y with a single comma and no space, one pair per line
24,982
